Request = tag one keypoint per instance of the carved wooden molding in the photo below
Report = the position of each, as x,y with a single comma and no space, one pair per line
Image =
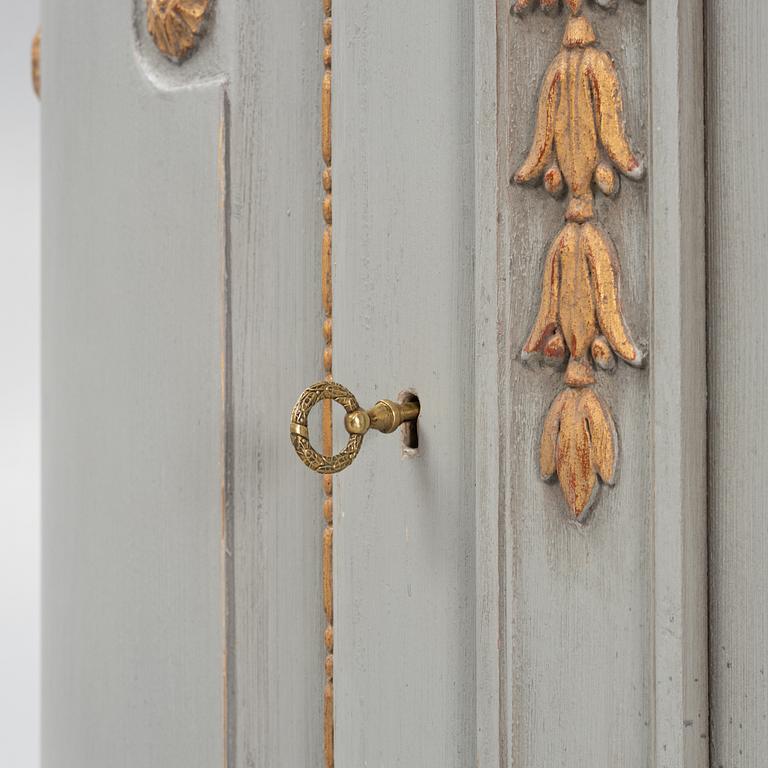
176,26
579,145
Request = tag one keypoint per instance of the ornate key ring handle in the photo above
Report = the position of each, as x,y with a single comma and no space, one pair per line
386,416
325,465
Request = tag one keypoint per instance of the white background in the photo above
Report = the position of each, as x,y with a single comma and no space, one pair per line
19,392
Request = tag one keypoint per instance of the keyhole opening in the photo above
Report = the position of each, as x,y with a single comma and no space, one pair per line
410,429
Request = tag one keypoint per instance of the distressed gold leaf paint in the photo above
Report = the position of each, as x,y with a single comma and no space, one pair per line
540,154
546,322
602,354
602,435
580,144
176,25
577,310
609,109
607,180
575,468
579,373
548,452
603,265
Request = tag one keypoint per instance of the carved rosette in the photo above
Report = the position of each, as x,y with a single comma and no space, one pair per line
579,146
176,26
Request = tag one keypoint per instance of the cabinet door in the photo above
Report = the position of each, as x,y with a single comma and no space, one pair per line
444,200
483,616
182,610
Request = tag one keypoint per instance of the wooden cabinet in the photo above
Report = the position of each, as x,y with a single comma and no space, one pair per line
316,190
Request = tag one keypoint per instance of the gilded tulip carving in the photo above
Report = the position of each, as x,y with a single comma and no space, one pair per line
579,444
579,138
579,146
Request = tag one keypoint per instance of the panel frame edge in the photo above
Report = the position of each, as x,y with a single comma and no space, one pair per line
678,383
488,502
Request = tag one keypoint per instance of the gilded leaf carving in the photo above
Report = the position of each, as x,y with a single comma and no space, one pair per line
177,25
579,146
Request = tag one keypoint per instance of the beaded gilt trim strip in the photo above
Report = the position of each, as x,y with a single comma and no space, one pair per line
327,291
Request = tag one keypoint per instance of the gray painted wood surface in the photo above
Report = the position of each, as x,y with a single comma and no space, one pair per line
403,245
737,108
490,661
276,215
133,404
678,384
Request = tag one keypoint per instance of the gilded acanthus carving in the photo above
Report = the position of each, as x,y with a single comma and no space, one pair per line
580,145
177,25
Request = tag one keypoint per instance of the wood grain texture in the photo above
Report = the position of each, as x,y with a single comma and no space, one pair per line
678,384
600,630
134,425
403,287
490,531
277,320
737,109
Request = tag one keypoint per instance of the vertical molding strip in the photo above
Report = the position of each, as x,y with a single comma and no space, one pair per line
490,557
677,560
327,292
678,383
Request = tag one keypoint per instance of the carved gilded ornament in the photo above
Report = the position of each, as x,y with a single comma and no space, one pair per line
580,145
36,84
176,26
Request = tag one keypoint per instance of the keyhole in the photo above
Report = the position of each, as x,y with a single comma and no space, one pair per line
410,429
